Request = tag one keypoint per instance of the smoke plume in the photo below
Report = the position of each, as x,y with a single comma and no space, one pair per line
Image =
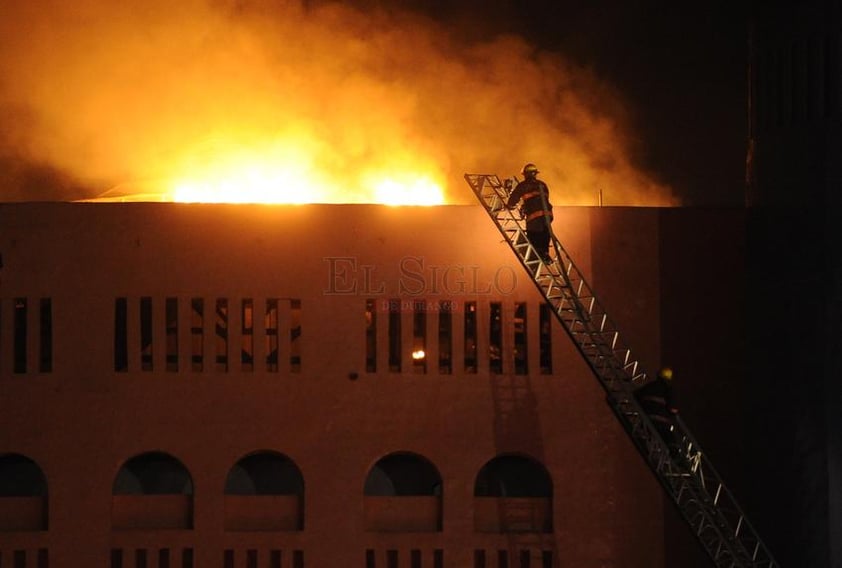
96,94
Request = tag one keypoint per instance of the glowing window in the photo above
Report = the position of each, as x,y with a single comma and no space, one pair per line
419,336
470,337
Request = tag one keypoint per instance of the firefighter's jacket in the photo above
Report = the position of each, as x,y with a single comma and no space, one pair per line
536,206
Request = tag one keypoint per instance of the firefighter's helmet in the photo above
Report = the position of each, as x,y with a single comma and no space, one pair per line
665,373
529,170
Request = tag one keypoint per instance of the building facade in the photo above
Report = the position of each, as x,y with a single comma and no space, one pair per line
331,386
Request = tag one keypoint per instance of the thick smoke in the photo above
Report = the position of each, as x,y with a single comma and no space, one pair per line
94,94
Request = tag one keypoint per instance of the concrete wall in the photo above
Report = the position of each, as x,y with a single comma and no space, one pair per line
83,420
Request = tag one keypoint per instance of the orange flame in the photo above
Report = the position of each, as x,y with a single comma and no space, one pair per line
293,102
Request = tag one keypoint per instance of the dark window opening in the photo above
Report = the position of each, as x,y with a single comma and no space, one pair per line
228,558
403,474
146,333
247,335
43,558
521,347
121,339
140,558
275,559
470,337
21,477
445,337
297,559
545,343
415,558
513,476
503,559
153,473
270,324
525,559
20,335
19,559
391,558
116,558
370,336
547,559
164,558
370,559
187,558
395,336
171,317
265,473
251,558
45,359
222,335
197,335
295,336
419,336
479,559
438,558
495,338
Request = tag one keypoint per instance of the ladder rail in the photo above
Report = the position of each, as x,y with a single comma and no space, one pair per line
689,477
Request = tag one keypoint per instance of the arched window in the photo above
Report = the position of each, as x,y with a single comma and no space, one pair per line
153,490
264,491
513,493
403,492
23,494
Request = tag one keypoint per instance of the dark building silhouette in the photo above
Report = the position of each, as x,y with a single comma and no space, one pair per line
794,269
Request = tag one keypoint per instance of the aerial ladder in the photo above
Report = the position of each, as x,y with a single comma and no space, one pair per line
687,475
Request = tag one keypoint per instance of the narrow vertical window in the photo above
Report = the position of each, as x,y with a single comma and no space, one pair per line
43,558
270,324
395,336
45,351
470,337
121,339
146,333
222,334
547,559
521,348
297,559
116,558
391,559
140,558
251,558
419,336
415,558
275,559
438,558
479,559
20,335
445,337
295,336
171,315
197,335
228,559
247,335
369,559
370,336
187,558
525,559
164,558
495,338
503,558
545,342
